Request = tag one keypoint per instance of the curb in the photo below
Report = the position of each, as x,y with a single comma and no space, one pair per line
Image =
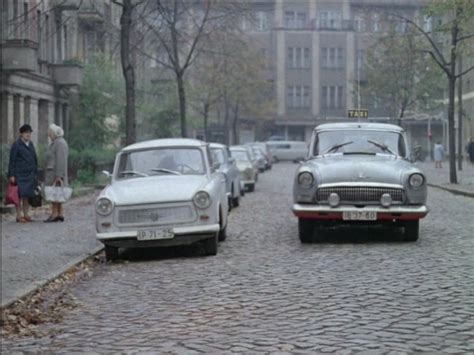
453,191
36,286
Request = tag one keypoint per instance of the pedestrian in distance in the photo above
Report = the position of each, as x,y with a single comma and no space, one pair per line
23,171
56,161
470,150
439,154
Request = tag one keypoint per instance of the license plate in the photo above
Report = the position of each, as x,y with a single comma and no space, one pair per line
359,216
155,234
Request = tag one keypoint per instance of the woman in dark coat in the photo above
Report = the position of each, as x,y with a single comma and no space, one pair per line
23,171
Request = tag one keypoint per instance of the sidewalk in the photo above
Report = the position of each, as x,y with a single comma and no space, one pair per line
440,178
34,253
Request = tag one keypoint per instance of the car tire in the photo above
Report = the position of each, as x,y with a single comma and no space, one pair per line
251,187
256,177
305,230
210,245
222,234
236,201
412,229
111,253
242,192
275,159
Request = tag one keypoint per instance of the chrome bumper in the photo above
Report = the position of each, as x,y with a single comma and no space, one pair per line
191,230
328,212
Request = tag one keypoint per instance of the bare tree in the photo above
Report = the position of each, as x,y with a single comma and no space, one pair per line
181,28
458,15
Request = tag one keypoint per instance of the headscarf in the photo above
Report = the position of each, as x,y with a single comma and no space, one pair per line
56,130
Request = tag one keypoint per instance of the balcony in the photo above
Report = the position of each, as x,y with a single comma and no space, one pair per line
68,5
333,25
68,74
92,11
19,55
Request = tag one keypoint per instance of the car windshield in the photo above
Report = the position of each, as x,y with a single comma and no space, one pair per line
360,141
161,161
240,155
218,155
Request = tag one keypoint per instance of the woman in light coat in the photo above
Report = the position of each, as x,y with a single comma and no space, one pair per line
56,168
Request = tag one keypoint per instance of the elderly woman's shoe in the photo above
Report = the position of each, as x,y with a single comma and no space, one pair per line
21,220
28,219
60,218
51,219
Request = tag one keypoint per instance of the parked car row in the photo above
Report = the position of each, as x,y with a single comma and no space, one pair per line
170,192
180,191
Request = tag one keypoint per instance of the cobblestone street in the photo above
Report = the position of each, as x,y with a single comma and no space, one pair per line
267,292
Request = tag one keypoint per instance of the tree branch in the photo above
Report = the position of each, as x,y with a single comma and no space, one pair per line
465,72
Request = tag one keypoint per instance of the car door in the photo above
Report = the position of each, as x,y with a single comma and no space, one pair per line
218,186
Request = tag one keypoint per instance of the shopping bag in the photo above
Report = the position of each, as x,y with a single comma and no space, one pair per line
58,194
37,200
12,196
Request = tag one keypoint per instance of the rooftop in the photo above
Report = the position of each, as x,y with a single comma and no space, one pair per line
168,142
359,125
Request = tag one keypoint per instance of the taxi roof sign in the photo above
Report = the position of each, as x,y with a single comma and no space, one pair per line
359,113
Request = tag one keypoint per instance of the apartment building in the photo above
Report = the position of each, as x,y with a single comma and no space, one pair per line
44,44
315,50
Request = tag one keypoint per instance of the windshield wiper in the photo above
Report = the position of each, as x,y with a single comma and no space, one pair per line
382,146
131,172
337,146
159,170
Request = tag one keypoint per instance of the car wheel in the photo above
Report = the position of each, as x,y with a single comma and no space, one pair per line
251,187
111,253
223,234
210,245
275,159
242,192
305,230
412,229
256,177
236,201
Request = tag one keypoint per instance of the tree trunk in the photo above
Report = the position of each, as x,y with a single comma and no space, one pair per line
226,120
206,116
128,71
451,131
460,118
182,104
235,136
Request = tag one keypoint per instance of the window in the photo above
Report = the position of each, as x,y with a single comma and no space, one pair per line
262,21
427,23
299,96
91,45
332,97
360,59
359,24
329,19
295,20
299,57
376,26
25,21
401,26
332,57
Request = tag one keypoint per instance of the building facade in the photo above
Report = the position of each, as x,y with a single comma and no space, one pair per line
315,51
44,44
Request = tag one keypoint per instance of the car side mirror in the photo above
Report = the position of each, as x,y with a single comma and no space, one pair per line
216,166
107,174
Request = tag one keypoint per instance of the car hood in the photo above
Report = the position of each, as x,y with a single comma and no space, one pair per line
360,168
155,189
242,165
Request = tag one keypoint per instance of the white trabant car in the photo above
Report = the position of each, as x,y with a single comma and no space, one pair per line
163,192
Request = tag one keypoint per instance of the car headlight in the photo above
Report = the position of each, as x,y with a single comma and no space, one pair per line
104,206
416,180
305,179
202,200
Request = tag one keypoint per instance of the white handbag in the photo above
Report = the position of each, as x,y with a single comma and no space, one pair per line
58,194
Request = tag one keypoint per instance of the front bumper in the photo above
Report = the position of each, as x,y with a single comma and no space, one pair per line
182,236
325,212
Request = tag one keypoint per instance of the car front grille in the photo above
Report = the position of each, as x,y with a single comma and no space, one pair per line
360,194
156,215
